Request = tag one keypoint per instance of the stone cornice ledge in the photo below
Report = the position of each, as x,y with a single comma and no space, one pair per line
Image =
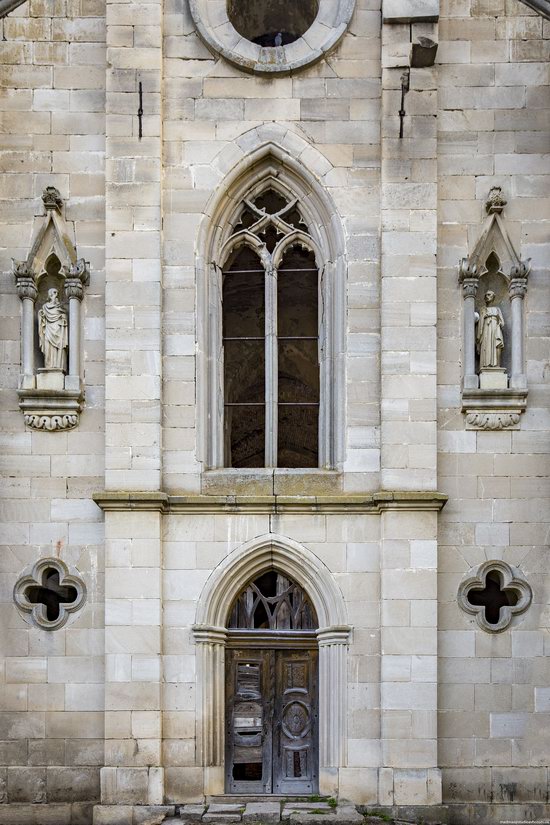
343,503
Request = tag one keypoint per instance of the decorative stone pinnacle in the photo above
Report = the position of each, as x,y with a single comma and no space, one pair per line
21,269
52,199
24,280
521,269
467,269
495,203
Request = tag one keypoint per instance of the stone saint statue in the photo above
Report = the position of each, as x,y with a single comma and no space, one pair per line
53,332
489,338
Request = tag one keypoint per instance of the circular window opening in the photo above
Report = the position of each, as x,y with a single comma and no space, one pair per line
272,22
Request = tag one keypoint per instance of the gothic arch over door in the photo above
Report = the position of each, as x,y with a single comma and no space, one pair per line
220,592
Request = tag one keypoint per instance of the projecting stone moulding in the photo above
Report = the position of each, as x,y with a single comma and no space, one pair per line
494,285
410,11
51,395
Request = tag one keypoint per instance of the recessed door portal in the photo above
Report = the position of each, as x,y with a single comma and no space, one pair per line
271,690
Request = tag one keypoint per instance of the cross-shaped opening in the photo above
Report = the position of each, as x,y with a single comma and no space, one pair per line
493,596
51,593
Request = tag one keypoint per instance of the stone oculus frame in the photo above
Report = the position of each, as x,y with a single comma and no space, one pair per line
494,256
50,399
219,34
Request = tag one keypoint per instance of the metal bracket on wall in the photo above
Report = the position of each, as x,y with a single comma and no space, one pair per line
140,111
405,85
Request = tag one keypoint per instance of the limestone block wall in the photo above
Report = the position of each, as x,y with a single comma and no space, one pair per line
193,546
493,120
52,116
328,117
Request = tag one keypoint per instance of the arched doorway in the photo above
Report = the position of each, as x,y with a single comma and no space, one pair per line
271,689
214,609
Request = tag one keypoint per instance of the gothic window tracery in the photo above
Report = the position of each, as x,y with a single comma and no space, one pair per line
270,337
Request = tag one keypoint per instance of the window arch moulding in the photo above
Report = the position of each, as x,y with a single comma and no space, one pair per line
494,285
306,220
50,284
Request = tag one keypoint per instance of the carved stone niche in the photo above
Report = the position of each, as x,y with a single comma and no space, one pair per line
494,284
50,284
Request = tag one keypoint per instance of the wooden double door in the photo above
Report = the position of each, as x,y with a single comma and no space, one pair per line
271,721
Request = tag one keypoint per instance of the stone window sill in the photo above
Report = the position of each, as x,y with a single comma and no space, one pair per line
271,482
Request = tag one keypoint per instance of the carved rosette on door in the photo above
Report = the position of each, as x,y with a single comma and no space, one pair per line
271,690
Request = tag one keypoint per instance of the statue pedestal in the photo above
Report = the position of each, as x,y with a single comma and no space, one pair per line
50,379
493,378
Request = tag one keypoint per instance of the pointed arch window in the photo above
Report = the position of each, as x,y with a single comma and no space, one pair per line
271,274
270,336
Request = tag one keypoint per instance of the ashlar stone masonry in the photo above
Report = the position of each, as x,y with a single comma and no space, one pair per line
275,499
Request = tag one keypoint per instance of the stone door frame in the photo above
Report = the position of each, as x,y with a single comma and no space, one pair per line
211,635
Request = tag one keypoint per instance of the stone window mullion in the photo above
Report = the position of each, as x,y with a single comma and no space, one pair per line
271,366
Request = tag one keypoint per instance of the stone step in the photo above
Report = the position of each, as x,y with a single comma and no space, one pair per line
266,812
271,811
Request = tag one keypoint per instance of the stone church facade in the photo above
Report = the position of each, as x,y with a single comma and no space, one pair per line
275,406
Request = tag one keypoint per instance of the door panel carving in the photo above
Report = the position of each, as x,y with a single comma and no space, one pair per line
296,714
272,721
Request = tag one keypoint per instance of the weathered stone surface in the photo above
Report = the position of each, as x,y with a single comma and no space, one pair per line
119,688
267,812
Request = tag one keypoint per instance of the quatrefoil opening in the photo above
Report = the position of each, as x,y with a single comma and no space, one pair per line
48,592
494,592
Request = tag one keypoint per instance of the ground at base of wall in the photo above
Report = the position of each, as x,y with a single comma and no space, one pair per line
62,813
461,813
466,813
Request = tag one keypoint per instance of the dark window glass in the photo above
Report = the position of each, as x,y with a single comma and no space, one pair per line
272,22
298,344
244,361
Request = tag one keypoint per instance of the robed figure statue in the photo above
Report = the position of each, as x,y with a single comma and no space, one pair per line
490,339
53,332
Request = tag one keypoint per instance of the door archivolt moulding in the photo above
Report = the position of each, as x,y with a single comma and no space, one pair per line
270,552
50,284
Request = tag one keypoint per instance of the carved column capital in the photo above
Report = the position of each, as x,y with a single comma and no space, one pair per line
518,288
24,280
468,273
73,288
469,287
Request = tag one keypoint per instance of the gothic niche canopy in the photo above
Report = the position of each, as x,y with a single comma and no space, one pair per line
494,284
50,284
